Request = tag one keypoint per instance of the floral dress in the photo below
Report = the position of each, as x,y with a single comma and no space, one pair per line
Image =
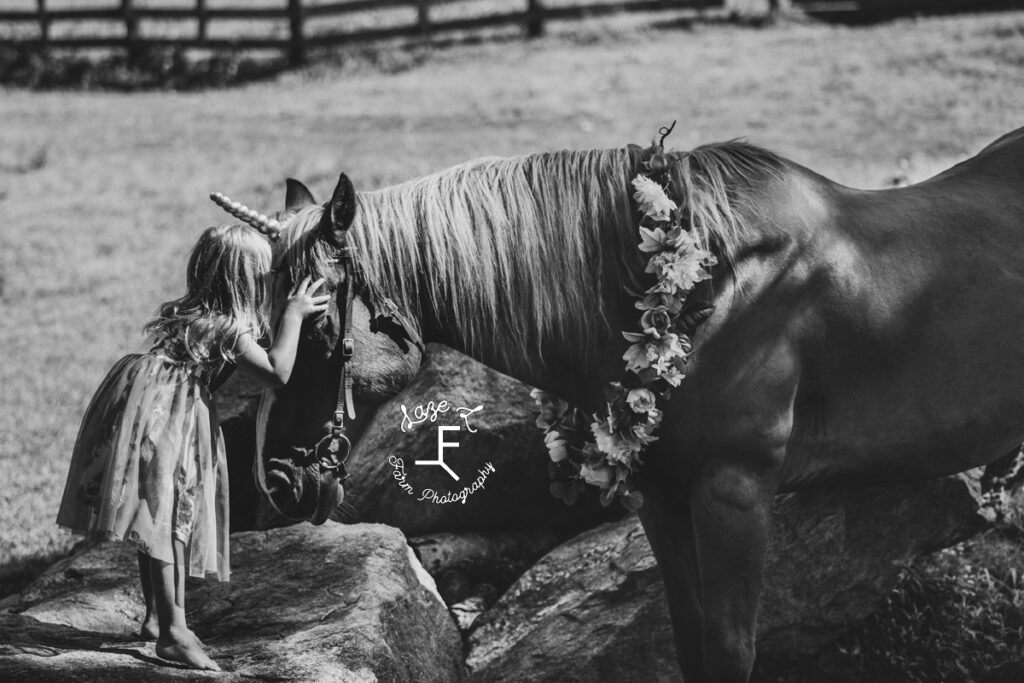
149,464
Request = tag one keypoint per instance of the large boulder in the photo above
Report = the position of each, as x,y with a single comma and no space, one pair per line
236,403
594,608
515,494
472,564
329,603
238,397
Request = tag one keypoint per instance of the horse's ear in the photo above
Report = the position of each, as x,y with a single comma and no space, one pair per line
296,195
340,211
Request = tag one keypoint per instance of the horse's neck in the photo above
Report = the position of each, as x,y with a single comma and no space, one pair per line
782,242
558,366
790,207
541,305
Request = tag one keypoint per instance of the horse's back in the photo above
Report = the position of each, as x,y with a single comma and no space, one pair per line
1013,139
914,366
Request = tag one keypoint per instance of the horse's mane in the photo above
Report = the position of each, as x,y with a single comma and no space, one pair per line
717,182
516,253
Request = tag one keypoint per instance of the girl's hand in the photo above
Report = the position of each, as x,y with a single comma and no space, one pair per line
302,303
274,367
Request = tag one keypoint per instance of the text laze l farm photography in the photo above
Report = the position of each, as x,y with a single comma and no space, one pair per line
538,340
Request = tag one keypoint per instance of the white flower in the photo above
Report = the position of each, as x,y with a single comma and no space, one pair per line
654,299
598,475
670,369
636,357
673,376
557,451
623,456
553,437
669,347
682,239
653,240
656,321
652,199
679,270
613,446
641,400
644,434
663,286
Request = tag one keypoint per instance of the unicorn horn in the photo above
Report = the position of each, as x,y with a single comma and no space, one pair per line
268,226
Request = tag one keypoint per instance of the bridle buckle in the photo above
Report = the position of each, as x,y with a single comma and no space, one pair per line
332,453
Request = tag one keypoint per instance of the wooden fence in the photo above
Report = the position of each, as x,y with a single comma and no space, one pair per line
532,16
868,9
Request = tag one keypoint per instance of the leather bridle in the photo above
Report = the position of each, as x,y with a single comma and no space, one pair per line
334,448
316,474
321,470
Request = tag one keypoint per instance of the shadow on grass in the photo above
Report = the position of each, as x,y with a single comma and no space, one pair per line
155,68
17,574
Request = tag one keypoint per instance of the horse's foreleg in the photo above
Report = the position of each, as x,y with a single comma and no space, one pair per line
731,509
710,541
669,527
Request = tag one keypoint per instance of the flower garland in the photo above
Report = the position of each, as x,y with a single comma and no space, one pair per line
655,360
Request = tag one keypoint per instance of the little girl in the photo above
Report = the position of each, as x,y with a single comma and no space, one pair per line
149,465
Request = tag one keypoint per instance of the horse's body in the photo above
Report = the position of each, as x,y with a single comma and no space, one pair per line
906,359
858,337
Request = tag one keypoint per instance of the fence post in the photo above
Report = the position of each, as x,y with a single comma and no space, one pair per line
131,31
297,47
534,18
423,16
203,18
44,25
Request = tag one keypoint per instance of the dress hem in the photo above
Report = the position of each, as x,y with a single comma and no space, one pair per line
109,536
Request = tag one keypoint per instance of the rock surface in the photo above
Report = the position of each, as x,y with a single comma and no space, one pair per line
594,608
329,603
238,397
515,496
497,558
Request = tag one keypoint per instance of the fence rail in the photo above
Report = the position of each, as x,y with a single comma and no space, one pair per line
532,17
881,8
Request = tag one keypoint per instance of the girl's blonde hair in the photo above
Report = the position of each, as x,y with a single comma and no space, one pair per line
226,295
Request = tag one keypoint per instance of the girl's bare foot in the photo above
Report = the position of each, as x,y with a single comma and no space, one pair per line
150,628
180,645
151,631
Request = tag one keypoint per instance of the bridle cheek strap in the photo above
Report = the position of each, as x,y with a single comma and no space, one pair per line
346,406
334,448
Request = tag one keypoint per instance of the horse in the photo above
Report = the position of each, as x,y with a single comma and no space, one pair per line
857,337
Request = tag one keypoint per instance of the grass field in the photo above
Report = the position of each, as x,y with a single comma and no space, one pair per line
101,194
